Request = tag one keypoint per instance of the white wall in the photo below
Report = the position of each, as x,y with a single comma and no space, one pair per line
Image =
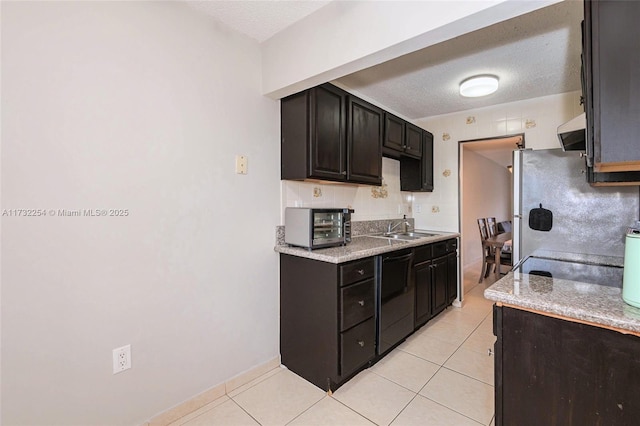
486,189
139,106
439,210
369,202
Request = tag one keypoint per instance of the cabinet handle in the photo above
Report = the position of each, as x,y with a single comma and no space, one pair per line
344,173
360,271
361,343
361,302
490,352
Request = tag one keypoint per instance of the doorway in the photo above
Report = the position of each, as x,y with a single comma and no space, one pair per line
485,185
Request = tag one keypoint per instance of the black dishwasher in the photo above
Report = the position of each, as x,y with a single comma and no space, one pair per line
396,300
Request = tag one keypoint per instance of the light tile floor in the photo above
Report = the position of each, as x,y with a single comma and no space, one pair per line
442,375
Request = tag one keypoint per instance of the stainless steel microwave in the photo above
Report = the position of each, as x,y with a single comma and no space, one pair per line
317,228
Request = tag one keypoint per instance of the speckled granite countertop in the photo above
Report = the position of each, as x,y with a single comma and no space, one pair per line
363,246
598,304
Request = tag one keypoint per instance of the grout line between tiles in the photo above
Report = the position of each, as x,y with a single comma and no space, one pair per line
308,408
405,407
350,408
399,384
466,375
248,414
449,408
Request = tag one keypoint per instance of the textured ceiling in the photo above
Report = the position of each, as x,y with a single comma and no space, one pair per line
258,19
534,55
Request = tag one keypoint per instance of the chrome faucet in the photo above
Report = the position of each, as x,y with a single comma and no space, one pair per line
404,222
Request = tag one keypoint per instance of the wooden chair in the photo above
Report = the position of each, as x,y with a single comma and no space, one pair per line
488,255
492,226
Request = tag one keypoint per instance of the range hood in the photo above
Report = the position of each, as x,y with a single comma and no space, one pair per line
572,134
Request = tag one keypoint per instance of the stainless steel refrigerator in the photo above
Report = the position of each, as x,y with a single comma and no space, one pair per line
586,219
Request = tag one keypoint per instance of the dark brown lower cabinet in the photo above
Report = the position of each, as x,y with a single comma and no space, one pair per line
423,273
435,272
327,318
329,312
452,276
550,371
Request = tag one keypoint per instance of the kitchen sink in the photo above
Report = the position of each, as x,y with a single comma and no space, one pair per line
413,234
406,235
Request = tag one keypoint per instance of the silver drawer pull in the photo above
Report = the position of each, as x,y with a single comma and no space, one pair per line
361,343
361,302
360,271
490,352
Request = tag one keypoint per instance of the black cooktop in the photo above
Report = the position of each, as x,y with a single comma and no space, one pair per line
590,273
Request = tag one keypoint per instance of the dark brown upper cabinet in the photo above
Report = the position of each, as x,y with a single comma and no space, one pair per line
401,138
394,129
611,70
364,142
330,135
416,175
413,138
313,130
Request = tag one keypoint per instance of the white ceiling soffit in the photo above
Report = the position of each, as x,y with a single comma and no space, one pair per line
259,19
534,55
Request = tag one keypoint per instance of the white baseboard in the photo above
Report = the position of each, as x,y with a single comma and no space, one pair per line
210,395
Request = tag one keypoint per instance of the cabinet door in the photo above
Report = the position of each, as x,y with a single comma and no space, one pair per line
327,159
422,276
427,161
452,277
410,174
364,142
439,285
580,374
394,128
413,141
615,42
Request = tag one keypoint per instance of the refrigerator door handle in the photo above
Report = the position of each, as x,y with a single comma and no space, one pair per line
517,205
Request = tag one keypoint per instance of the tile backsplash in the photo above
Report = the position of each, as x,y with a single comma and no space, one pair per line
369,202
365,227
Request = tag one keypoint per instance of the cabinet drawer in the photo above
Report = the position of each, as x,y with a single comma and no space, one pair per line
356,271
443,247
357,346
439,249
422,254
357,302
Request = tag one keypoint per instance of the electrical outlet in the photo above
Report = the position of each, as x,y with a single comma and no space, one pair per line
121,359
241,164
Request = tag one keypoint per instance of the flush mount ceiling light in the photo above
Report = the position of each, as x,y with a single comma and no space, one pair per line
479,85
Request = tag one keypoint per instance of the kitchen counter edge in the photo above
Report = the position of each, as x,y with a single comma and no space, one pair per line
595,304
358,248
